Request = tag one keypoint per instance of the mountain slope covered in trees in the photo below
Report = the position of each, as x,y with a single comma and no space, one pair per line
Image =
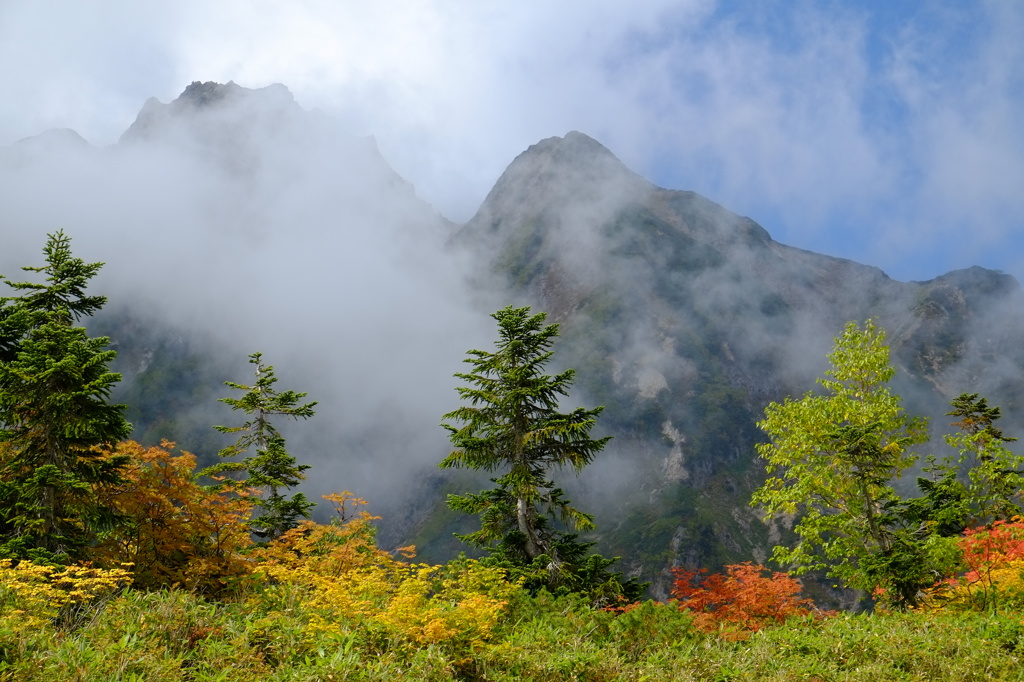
685,320
233,220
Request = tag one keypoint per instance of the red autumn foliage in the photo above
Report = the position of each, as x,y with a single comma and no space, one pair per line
994,557
987,548
741,597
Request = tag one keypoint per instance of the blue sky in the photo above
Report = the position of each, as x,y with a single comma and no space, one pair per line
891,133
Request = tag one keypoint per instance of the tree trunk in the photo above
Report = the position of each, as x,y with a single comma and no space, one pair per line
526,526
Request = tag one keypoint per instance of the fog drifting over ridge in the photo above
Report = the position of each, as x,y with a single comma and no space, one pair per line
883,132
259,226
242,219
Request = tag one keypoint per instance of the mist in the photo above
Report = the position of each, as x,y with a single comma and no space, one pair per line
251,224
883,133
236,220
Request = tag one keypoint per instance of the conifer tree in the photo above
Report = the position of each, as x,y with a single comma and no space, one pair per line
512,423
996,474
272,467
56,421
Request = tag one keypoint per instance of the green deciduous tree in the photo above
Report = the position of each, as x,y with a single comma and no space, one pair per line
272,468
511,422
832,459
55,415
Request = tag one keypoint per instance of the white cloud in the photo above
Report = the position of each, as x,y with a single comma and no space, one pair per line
855,130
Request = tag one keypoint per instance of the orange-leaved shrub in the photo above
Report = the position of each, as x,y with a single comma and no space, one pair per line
329,550
742,597
174,531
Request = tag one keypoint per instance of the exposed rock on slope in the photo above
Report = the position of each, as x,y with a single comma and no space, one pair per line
686,319
236,221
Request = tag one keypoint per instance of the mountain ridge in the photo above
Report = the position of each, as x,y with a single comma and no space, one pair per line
683,318
686,319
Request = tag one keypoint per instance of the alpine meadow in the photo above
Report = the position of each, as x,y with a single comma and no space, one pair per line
600,430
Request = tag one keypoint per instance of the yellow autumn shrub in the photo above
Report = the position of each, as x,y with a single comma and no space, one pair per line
325,549
33,596
349,584
459,603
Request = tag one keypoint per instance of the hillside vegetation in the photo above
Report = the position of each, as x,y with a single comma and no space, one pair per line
120,561
281,632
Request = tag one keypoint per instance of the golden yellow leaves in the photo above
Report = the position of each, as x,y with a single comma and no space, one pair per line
348,583
32,595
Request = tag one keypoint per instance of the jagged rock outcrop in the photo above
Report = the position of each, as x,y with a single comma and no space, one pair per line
226,101
237,220
685,319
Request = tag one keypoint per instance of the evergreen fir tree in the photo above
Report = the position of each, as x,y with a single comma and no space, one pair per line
56,422
512,423
995,473
976,417
272,467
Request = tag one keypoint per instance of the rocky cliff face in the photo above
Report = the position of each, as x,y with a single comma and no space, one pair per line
234,221
685,319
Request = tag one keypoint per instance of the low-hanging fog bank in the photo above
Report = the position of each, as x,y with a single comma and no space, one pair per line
236,218
231,220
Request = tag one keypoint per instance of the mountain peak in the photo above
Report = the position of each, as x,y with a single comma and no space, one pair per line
979,279
53,142
575,153
54,137
559,170
573,144
204,99
198,94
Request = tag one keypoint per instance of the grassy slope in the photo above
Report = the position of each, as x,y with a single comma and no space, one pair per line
176,635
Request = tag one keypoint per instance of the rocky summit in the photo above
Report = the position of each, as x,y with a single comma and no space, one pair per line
685,320
233,220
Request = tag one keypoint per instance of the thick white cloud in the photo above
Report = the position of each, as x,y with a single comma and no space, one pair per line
891,136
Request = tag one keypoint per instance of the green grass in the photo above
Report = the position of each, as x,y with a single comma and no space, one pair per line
175,635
